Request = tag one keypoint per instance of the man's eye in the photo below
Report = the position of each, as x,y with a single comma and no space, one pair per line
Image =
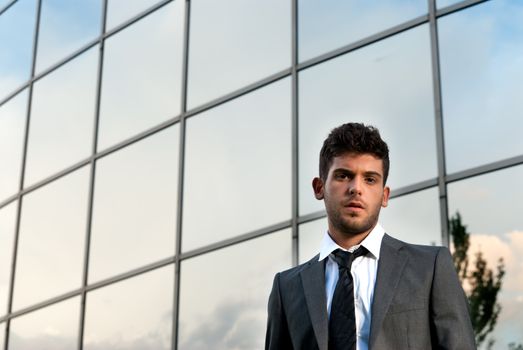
341,176
370,180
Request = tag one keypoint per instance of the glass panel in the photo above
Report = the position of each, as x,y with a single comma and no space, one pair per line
62,118
491,213
328,25
16,45
118,11
404,218
12,129
238,167
7,232
52,328
311,235
388,85
444,3
65,26
51,239
481,72
135,314
232,44
134,213
142,75
227,309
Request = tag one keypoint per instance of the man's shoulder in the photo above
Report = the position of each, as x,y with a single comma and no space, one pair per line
295,271
416,250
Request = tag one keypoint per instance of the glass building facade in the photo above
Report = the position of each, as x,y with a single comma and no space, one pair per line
112,110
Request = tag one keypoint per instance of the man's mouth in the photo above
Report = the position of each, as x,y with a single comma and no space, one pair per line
354,206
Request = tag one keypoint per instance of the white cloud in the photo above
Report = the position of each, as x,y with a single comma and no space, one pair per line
509,247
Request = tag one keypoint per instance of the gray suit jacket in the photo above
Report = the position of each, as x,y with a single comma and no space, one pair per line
418,303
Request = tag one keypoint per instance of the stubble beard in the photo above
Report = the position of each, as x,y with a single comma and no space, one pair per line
351,226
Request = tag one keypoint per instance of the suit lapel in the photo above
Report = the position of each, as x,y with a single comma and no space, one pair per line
313,280
390,267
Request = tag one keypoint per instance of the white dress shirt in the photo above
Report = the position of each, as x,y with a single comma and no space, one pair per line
363,270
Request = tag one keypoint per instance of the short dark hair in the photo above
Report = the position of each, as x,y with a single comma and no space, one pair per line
353,138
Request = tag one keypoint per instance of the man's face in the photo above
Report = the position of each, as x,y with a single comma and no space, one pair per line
353,193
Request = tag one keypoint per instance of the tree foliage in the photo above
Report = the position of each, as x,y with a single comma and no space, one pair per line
481,284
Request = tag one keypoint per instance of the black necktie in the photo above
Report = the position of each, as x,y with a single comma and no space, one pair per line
342,322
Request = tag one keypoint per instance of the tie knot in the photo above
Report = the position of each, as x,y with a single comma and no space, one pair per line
345,259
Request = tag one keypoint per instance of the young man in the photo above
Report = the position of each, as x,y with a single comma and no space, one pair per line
365,289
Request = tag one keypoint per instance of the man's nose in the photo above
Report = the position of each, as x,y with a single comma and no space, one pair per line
355,186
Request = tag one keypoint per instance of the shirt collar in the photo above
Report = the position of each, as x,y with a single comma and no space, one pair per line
372,242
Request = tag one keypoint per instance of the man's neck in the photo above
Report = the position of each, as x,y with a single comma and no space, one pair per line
348,240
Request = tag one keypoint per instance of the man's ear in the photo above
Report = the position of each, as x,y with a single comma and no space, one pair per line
317,186
386,194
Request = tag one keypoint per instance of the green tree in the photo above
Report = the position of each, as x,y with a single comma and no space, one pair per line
482,285
461,241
